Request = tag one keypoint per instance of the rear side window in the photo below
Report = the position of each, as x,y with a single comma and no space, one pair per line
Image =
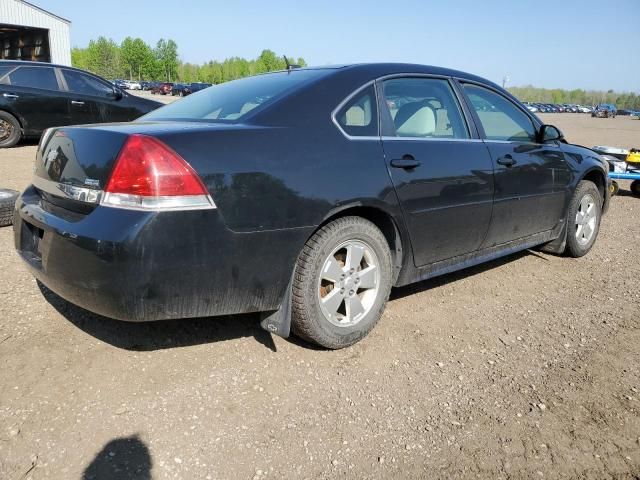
231,101
81,83
359,116
33,77
500,118
424,108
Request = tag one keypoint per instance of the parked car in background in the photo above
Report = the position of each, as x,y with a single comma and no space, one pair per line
623,112
584,109
145,85
133,85
162,88
304,194
35,96
184,89
121,84
179,90
197,86
531,107
604,110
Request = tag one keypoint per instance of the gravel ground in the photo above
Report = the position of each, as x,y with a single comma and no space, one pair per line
527,367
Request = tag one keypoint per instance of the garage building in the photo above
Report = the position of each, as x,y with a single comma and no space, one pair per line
28,32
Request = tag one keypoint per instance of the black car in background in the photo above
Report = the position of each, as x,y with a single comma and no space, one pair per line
184,89
304,195
35,96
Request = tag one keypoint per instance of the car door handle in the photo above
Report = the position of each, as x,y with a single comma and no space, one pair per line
507,161
407,162
75,102
10,95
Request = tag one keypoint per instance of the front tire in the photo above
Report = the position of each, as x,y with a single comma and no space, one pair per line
341,283
583,218
10,131
635,188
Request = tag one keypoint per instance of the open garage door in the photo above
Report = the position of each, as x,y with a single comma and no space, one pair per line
24,43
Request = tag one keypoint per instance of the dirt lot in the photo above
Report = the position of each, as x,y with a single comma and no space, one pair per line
528,367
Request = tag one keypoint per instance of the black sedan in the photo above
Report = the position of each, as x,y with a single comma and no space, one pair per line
304,195
35,96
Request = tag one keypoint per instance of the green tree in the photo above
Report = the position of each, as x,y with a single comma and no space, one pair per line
166,53
103,58
135,57
79,58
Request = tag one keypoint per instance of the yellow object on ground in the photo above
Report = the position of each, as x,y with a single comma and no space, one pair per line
634,157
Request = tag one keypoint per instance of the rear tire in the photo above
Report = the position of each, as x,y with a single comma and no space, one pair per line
10,131
583,219
7,203
341,283
635,188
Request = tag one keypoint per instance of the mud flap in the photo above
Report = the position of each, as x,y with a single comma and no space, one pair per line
279,322
559,245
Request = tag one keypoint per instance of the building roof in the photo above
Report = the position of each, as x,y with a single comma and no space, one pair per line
45,11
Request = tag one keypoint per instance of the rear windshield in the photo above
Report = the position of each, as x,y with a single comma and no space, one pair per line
231,101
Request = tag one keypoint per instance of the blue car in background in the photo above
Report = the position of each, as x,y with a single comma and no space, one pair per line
605,110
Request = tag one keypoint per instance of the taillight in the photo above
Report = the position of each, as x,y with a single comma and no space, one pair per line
148,175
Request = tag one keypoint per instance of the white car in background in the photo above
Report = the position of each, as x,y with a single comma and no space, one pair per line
133,86
530,107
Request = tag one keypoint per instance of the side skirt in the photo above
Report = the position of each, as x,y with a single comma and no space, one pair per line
475,258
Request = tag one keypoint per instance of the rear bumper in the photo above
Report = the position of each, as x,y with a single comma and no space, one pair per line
143,266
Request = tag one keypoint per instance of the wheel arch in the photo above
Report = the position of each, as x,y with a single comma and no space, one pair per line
16,116
396,237
596,176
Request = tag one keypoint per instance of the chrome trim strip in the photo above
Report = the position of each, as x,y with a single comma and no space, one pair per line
156,204
117,200
432,139
68,191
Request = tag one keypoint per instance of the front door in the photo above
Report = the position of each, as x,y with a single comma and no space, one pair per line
527,198
442,175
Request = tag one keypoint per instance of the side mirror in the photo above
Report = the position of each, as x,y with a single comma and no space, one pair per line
549,133
116,94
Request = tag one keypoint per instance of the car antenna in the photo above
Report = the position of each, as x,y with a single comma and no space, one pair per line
290,66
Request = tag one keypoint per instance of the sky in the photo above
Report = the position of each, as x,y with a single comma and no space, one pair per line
590,44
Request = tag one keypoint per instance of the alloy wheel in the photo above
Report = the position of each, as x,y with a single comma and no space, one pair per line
349,283
586,219
6,130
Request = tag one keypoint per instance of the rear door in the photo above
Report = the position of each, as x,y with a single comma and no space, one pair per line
529,197
33,94
441,171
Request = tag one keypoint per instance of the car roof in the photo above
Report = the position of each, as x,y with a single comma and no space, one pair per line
391,68
29,63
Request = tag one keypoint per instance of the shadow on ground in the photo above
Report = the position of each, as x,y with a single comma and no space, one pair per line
121,459
158,335
146,336
399,293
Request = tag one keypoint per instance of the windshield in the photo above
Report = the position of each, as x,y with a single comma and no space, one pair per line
231,101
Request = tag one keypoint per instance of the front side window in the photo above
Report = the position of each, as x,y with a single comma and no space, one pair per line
33,77
86,84
500,118
424,108
359,116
